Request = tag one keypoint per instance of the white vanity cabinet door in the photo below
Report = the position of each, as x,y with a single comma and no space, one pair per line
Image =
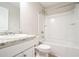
20,55
27,53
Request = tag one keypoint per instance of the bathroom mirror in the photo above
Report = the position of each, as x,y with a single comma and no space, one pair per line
9,17
3,19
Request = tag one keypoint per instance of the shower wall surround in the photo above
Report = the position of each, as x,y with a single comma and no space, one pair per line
63,28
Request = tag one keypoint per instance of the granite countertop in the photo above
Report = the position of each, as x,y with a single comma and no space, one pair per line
9,40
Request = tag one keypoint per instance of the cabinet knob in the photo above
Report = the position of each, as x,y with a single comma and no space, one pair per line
25,55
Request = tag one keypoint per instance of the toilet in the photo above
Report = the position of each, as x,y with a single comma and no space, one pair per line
43,50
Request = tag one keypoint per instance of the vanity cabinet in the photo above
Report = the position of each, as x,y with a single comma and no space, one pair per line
19,50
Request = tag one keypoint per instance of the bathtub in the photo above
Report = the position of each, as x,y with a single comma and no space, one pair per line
61,50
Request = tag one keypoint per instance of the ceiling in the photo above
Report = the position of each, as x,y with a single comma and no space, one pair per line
53,4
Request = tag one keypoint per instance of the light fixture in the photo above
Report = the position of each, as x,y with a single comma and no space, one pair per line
52,20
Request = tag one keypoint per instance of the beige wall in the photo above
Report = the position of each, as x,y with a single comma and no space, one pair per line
29,17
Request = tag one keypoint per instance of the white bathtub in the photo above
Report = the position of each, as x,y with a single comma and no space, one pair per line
63,50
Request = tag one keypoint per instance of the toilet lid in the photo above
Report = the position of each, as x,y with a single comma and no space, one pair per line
43,46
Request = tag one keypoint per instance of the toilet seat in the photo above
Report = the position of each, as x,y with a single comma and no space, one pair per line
44,48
